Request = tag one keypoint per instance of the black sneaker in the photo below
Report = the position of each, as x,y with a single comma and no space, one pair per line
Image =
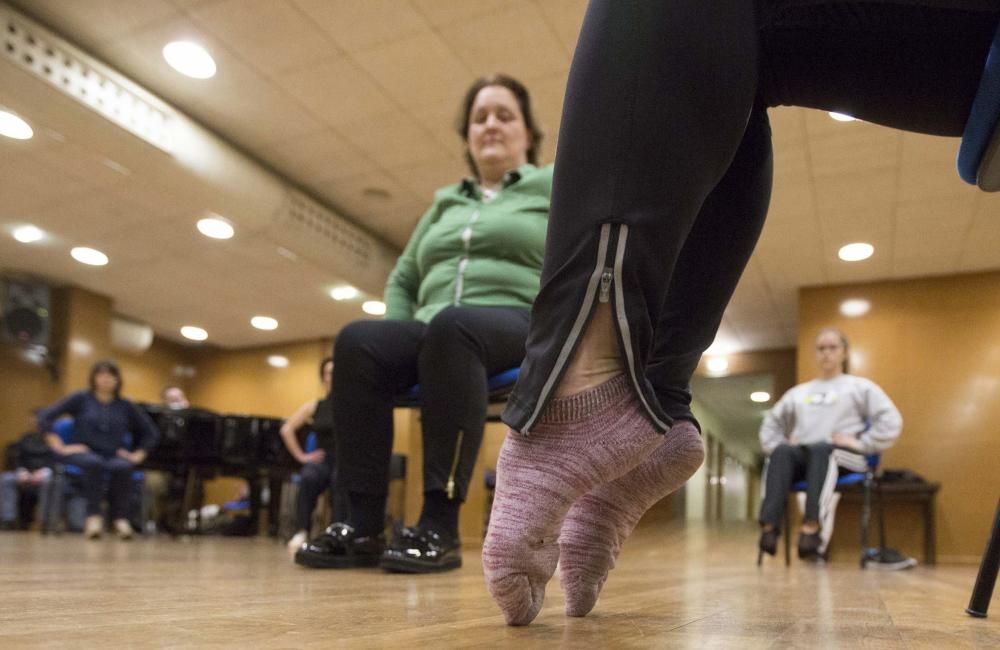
888,559
768,541
422,550
340,547
809,544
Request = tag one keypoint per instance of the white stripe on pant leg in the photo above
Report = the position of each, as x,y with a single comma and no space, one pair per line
828,499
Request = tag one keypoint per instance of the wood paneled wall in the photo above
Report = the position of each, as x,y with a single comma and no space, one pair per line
933,344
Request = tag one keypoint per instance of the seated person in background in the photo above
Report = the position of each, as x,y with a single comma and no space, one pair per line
30,462
317,466
457,305
835,414
103,421
173,397
156,488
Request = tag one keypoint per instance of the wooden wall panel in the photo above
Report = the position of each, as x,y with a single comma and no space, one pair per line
934,345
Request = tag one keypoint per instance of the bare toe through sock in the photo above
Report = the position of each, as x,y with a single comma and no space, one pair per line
580,442
599,522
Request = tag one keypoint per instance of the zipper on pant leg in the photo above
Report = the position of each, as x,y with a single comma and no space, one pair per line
450,488
623,328
607,275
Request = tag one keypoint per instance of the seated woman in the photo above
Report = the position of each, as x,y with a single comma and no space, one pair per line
836,414
317,466
457,312
103,423
30,465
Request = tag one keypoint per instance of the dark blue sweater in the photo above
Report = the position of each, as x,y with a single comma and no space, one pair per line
104,428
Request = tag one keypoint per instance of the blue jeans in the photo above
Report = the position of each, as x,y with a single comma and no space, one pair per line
94,469
11,496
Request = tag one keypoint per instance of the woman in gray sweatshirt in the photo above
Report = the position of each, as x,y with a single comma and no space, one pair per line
836,415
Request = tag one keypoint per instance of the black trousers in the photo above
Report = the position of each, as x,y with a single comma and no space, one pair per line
664,154
96,469
451,358
789,464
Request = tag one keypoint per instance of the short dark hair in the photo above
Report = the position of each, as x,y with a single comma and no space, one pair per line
105,365
523,100
322,365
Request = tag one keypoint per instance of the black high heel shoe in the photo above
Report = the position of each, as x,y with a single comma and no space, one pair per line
768,544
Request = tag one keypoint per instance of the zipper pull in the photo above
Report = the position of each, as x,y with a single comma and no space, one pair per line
606,279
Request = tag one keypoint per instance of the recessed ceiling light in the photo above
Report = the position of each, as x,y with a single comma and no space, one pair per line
856,252
855,307
194,333
90,256
842,117
28,234
189,59
14,127
216,228
343,293
717,365
264,323
373,307
277,361
760,396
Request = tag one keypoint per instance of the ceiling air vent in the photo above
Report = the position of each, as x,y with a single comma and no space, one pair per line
34,49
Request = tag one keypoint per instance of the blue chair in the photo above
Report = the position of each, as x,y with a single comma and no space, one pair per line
867,479
979,153
53,502
499,387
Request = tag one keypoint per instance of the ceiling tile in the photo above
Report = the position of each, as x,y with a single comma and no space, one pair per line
357,25
97,21
443,12
426,178
271,35
517,42
442,78
336,91
393,139
565,17
320,155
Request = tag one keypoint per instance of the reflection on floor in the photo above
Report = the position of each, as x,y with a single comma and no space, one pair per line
674,587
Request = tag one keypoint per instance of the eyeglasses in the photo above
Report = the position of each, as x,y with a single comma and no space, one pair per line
829,348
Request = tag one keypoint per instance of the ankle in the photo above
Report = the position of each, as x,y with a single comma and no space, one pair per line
440,513
809,528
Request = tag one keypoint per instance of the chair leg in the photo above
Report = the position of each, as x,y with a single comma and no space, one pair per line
866,510
986,580
788,537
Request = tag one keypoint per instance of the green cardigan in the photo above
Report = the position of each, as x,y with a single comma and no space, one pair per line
467,252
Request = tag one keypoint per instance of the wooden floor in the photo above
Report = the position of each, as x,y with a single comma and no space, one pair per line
674,587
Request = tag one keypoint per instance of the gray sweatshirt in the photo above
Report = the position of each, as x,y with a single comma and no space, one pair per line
812,412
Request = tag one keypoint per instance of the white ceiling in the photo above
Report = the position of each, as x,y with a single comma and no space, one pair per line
337,97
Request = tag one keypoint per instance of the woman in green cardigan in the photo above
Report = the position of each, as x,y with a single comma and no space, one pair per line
457,307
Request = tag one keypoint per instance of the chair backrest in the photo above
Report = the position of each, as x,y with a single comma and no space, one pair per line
979,153
63,427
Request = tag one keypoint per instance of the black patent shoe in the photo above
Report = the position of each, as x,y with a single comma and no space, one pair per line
340,547
422,550
809,544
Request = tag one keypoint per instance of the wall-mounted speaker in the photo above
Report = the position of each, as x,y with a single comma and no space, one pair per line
24,313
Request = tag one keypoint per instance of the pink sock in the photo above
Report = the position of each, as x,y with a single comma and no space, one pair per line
580,442
600,521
